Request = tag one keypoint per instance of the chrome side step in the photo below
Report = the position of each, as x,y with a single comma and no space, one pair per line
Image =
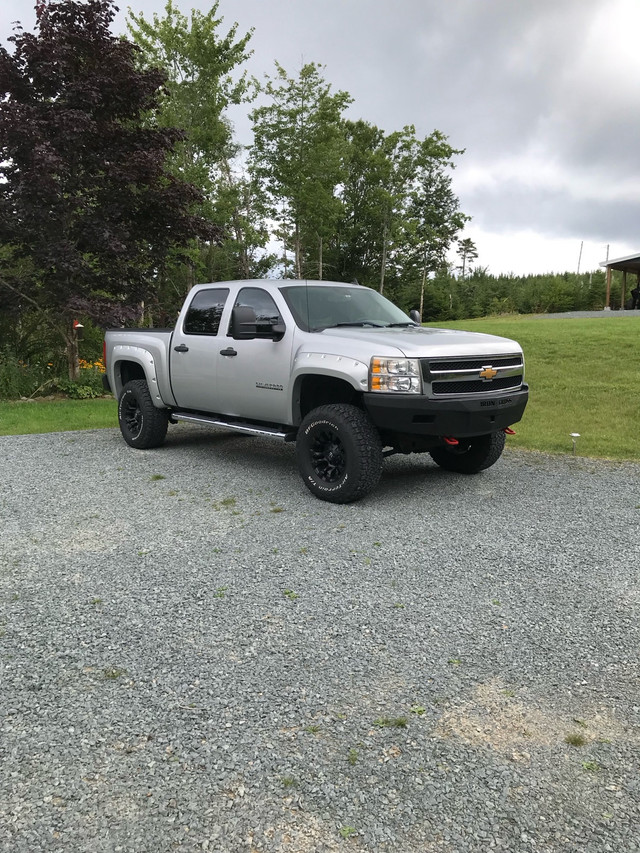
249,429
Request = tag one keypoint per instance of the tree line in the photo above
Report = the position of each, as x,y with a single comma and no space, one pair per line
316,195
122,184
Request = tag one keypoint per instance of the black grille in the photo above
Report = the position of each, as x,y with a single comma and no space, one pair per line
474,364
476,386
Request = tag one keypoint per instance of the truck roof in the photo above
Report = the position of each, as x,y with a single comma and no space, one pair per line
276,283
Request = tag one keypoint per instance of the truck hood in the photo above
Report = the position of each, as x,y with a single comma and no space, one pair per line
415,342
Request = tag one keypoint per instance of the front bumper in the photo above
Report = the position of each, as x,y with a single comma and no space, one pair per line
477,415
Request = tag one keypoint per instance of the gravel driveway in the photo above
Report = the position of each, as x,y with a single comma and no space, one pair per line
198,655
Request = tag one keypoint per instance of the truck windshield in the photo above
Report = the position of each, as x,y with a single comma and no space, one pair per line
318,307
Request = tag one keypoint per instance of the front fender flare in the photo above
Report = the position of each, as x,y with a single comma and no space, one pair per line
345,368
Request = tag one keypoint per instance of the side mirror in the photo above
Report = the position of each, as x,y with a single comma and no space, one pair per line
415,316
244,326
278,330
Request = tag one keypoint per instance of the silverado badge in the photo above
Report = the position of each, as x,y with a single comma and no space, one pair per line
488,372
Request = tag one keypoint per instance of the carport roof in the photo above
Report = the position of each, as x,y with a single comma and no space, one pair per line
630,263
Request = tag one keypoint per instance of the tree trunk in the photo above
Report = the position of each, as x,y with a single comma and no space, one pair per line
70,338
422,286
297,252
245,268
320,260
384,256
243,254
72,355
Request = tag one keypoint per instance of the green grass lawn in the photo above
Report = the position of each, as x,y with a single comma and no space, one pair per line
22,418
583,374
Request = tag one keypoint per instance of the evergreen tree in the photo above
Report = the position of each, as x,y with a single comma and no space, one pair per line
468,253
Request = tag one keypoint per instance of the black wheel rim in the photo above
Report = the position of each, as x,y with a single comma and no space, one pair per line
328,457
132,417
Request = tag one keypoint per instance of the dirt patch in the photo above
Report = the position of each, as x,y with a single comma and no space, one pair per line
497,718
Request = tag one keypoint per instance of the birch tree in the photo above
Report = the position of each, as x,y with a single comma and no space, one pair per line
297,159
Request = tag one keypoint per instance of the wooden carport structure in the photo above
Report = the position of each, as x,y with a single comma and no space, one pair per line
628,264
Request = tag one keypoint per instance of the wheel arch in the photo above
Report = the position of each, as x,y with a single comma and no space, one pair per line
319,379
135,363
311,390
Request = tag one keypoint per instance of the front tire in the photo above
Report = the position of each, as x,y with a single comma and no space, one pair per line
142,425
471,455
339,453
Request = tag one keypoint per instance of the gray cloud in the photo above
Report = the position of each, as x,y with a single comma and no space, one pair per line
502,79
554,213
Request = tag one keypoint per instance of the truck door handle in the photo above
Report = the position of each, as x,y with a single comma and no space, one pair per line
228,351
181,348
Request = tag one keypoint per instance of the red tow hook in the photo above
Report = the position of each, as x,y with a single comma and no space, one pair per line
450,440
509,431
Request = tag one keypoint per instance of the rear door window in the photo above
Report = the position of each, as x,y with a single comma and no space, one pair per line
205,311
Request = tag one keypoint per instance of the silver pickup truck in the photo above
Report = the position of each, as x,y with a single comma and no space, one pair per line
337,368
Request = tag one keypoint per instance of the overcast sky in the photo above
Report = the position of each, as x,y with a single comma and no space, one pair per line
543,95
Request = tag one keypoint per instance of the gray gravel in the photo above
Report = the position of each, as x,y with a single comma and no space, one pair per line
217,661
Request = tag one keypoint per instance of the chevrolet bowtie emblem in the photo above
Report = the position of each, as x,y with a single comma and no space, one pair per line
488,373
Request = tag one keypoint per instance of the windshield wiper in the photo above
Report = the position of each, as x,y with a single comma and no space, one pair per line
360,323
401,325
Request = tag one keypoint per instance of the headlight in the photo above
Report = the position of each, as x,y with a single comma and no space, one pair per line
395,374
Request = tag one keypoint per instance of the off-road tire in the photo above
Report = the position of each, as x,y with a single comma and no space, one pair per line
339,453
472,454
142,425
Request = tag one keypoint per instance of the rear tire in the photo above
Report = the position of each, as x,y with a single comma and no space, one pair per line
471,455
142,425
339,453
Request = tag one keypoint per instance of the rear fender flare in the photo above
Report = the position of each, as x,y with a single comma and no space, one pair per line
137,355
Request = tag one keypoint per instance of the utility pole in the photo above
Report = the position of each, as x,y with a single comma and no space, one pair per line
607,307
580,255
